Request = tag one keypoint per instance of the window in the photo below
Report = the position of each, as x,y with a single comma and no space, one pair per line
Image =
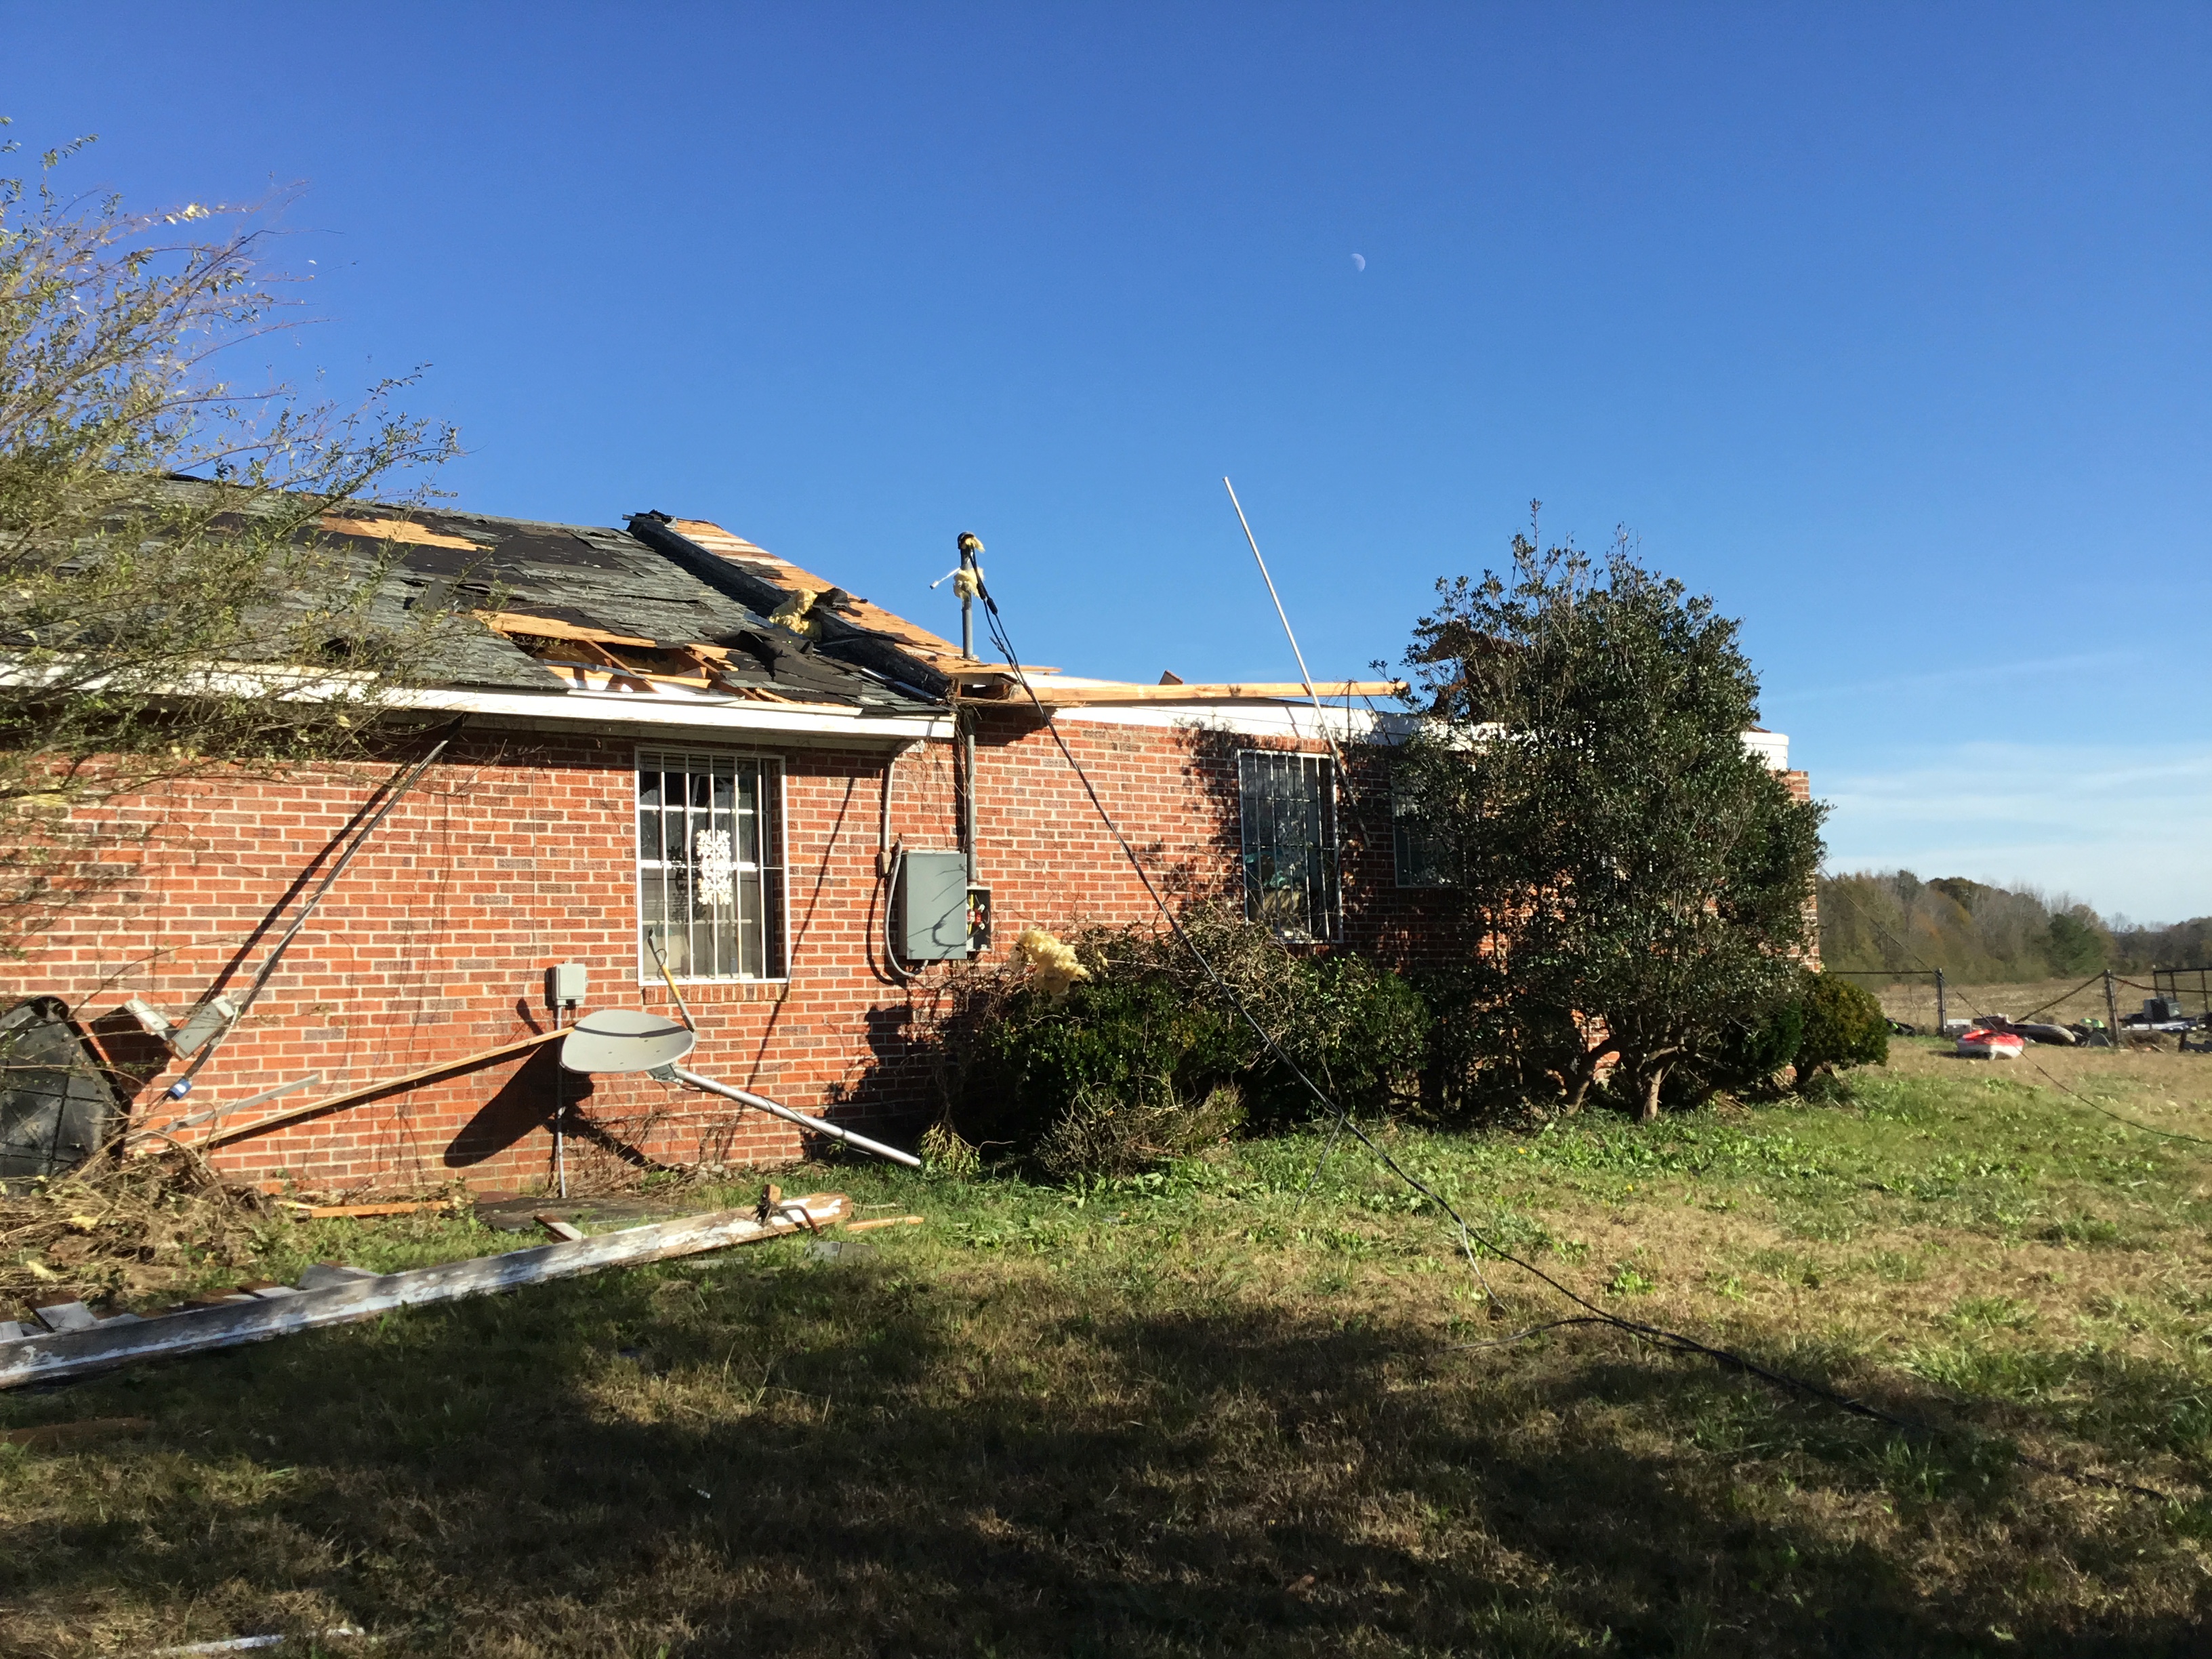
1418,851
710,866
1289,805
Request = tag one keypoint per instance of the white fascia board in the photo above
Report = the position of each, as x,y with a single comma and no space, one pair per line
577,708
1347,726
1251,719
656,710
228,679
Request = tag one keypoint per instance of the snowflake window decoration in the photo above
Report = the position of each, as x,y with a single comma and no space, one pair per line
716,867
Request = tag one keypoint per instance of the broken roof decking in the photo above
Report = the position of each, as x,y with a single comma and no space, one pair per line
911,638
611,606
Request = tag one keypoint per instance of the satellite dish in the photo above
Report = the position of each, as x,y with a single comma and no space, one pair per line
624,1040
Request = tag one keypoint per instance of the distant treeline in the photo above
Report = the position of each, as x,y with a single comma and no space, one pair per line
1979,934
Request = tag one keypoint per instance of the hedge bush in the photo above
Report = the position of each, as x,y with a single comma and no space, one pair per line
1148,1036
1829,1025
1844,1026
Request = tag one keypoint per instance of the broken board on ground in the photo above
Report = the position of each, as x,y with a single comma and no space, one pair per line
74,1342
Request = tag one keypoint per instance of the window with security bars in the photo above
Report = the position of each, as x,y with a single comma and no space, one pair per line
710,866
1420,855
1289,809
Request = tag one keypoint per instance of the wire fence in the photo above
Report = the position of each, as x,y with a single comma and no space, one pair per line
1924,998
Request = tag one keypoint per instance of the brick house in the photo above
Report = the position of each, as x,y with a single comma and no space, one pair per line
669,745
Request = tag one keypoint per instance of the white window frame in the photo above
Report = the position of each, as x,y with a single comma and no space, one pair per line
774,877
1262,840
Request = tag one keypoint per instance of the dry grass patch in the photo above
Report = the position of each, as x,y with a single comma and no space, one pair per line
1188,1413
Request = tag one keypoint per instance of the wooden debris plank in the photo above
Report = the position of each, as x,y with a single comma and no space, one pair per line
1077,696
56,1355
547,627
884,1221
400,530
326,1212
237,1132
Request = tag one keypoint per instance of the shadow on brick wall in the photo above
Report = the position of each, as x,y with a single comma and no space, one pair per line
525,1101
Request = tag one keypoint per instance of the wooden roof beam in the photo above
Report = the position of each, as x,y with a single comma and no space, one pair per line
1076,697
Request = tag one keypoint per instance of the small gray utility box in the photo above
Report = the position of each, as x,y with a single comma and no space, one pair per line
933,906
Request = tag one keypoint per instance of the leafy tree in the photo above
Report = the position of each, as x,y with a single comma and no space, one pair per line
2077,944
158,626
1632,884
1974,931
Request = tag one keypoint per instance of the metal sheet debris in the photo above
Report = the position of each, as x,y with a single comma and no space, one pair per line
340,1295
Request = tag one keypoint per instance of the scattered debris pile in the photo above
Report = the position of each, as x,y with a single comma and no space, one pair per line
128,1231
65,1337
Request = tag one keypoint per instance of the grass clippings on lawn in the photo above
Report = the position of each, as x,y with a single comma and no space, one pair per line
1184,1414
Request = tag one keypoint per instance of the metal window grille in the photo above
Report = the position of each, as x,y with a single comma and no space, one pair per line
1289,812
710,866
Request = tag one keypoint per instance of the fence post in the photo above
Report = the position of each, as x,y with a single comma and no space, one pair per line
2112,1007
1939,1002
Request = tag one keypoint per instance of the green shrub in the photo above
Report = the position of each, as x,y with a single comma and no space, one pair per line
1747,1059
1148,1036
1844,1026
1359,1031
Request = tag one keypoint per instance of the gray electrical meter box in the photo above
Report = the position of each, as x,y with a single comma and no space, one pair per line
933,901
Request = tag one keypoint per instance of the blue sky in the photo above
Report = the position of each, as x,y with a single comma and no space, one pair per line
1886,325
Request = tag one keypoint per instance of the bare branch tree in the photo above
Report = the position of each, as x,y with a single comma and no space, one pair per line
170,603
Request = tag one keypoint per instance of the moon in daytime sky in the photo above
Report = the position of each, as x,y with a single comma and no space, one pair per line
1359,262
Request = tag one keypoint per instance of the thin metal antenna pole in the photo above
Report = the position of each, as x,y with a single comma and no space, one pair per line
1320,714
966,719
1277,598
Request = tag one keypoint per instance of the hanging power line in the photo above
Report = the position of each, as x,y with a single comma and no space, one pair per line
1470,1235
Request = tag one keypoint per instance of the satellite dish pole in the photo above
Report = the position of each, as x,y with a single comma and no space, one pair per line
967,582
964,584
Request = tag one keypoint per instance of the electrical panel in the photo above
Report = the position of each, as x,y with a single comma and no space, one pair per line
933,907
565,982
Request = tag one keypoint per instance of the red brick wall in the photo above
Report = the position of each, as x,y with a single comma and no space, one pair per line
1050,860
517,851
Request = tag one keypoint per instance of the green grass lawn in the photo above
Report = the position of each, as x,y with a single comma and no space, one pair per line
1184,1414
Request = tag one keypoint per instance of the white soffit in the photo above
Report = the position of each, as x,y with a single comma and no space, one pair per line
734,714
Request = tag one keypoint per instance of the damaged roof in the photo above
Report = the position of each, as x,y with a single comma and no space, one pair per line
571,606
683,606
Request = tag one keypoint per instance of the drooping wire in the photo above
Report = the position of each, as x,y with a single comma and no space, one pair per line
2092,980
1469,1235
1867,917
2170,1134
